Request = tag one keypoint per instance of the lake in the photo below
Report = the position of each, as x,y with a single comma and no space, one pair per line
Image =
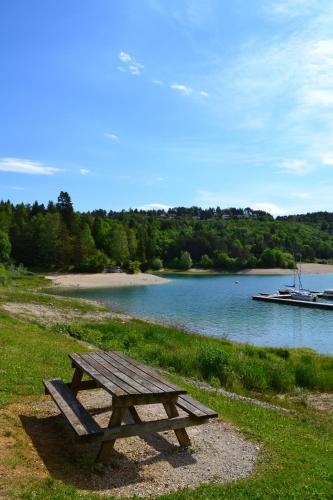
223,306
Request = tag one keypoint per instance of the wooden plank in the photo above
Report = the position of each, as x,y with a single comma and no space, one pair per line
102,381
150,371
140,399
107,447
181,433
136,374
80,420
76,380
194,407
120,372
86,385
100,365
128,430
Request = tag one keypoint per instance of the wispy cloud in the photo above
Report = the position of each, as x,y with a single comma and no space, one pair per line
85,171
296,167
183,89
154,206
203,93
114,137
301,195
291,8
23,166
271,208
129,64
327,161
156,81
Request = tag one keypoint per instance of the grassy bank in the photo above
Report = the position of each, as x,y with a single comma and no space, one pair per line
296,450
237,367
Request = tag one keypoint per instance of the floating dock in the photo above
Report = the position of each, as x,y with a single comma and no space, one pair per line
286,300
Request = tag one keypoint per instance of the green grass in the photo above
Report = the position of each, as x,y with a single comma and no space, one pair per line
238,367
296,451
28,355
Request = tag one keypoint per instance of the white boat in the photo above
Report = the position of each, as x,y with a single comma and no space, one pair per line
302,294
298,293
327,294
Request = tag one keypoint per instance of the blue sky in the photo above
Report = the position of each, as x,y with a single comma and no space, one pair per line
139,103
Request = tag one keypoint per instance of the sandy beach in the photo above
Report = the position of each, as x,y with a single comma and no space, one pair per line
104,280
306,269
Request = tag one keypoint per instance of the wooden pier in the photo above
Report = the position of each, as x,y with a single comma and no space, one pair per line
286,300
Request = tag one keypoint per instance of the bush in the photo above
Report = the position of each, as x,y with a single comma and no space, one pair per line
206,262
157,264
183,262
94,263
133,266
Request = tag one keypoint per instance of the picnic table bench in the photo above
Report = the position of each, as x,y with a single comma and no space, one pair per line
130,384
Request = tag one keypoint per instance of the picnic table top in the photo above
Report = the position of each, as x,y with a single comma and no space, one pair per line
122,376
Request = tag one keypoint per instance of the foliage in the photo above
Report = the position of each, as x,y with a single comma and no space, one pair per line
133,266
58,237
157,264
5,247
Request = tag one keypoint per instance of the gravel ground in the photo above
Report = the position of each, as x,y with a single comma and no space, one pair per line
48,315
148,466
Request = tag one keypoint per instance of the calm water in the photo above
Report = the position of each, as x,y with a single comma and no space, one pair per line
218,306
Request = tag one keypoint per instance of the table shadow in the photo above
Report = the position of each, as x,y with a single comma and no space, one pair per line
74,463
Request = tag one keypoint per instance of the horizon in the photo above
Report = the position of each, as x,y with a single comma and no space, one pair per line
159,105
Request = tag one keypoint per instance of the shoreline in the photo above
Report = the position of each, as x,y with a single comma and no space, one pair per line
307,268
104,280
110,280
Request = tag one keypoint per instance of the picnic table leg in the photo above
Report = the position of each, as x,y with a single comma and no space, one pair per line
182,436
107,447
76,380
134,414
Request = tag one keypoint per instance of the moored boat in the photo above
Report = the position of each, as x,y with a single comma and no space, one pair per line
302,294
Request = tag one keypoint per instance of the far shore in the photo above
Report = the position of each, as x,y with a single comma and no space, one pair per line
104,280
306,269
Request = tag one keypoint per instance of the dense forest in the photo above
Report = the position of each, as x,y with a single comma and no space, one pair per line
56,237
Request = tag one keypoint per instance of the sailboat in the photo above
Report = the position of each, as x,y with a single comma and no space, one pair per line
298,293
301,293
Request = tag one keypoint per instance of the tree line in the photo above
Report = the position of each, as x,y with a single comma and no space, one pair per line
56,237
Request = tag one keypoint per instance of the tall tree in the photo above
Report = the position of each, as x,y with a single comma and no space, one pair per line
65,207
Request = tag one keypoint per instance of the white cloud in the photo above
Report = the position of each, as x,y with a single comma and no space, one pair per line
296,167
123,56
270,208
23,166
290,8
327,160
203,93
17,188
85,171
130,64
183,89
157,82
154,206
114,137
302,195
318,97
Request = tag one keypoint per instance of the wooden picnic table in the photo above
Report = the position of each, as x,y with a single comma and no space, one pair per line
130,384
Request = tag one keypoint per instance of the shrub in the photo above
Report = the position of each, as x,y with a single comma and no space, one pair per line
157,264
133,267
